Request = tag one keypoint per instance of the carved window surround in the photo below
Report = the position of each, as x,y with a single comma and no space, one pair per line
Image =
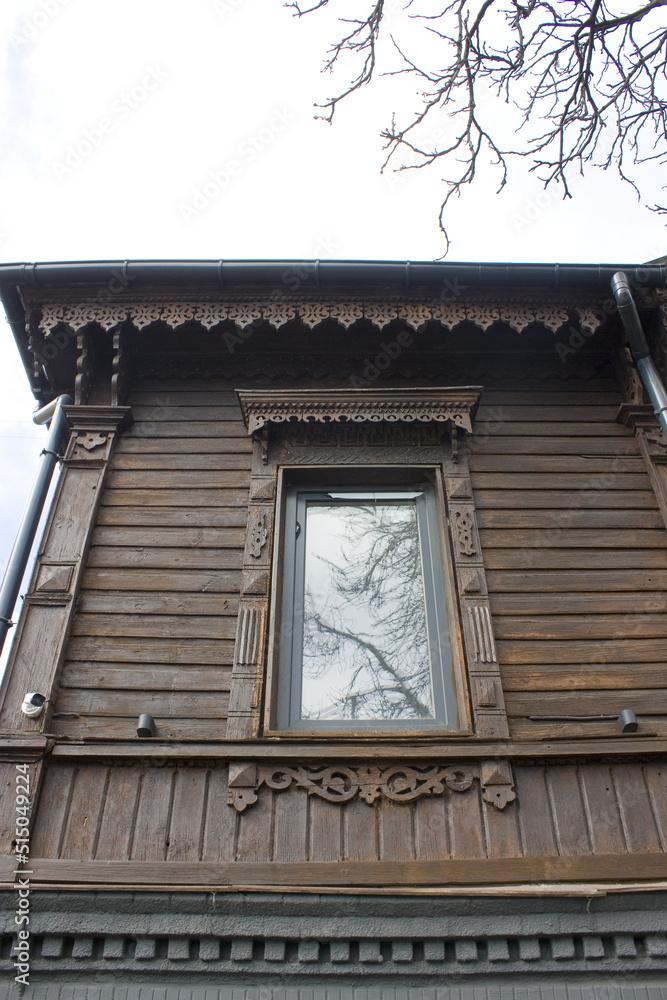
362,428
340,783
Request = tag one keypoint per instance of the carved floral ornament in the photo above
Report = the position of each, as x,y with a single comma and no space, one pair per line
278,308
341,783
262,407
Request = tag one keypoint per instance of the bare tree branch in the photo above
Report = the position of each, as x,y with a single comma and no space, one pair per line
589,83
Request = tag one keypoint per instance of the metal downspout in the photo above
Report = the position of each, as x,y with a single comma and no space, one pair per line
18,560
640,350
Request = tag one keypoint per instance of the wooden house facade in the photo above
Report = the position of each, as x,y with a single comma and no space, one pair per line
306,815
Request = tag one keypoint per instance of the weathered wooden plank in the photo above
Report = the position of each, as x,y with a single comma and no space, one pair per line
622,602
604,820
172,392
601,482
187,814
95,676
470,871
360,832
655,775
576,517
127,704
108,557
547,413
254,839
178,411
574,559
219,538
567,395
396,833
213,582
219,840
107,676
573,651
534,812
593,465
430,829
584,677
557,428
571,538
84,813
151,827
199,652
142,479
326,831
601,736
178,446
172,603
125,728
218,497
568,810
193,460
639,826
561,582
183,428
51,814
502,833
118,815
290,826
466,827
581,626
156,626
588,703
182,517
498,443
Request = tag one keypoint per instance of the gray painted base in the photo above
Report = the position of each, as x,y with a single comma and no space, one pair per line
331,943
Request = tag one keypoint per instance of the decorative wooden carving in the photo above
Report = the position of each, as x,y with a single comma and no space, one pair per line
341,783
276,406
482,633
249,636
85,367
278,307
258,532
121,369
497,783
464,525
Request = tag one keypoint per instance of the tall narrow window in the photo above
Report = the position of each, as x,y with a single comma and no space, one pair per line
364,635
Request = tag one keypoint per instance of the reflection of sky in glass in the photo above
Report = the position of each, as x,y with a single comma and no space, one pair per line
365,646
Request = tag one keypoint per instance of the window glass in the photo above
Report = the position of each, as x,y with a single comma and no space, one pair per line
365,636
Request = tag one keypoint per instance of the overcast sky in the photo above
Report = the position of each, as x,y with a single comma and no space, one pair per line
164,129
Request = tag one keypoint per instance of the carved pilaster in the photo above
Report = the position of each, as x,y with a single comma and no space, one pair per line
652,445
39,645
486,693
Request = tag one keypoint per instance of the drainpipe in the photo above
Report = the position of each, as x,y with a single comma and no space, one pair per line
33,512
640,352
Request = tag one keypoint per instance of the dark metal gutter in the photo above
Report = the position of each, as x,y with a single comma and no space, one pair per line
315,274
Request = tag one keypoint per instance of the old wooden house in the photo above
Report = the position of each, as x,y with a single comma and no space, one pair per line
378,552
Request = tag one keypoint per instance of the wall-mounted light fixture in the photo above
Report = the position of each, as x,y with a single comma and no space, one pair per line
627,721
146,726
33,704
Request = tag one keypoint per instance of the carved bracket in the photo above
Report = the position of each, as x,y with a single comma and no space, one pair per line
398,783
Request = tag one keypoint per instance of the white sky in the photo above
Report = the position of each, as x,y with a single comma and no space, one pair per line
234,81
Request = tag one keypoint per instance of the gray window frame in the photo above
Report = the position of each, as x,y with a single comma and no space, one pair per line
440,627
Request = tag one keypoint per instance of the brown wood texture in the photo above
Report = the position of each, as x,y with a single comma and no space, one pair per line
180,813
574,545
156,619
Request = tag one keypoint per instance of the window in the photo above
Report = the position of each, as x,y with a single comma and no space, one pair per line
364,638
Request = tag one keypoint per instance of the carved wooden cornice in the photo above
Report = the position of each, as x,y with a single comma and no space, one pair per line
341,783
518,310
261,407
